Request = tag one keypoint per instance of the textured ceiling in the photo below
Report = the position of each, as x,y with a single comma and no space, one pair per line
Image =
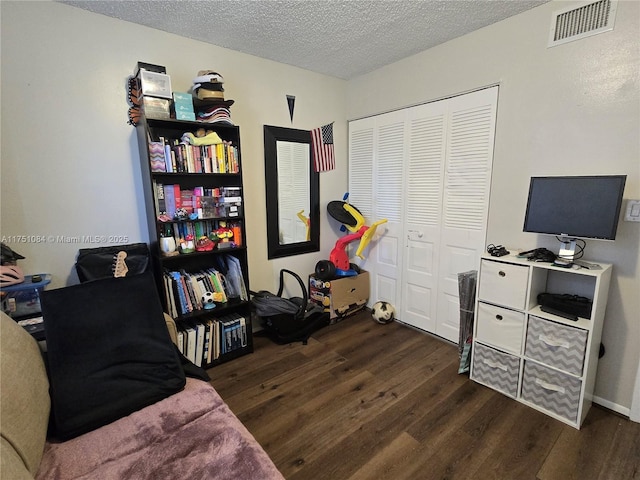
341,38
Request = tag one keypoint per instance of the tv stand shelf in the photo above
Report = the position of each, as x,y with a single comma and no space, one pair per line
543,360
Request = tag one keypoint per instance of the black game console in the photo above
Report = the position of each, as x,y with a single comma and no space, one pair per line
565,305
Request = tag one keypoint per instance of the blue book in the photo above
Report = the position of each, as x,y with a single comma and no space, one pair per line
167,157
181,293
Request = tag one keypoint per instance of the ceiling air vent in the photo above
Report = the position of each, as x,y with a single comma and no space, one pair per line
573,23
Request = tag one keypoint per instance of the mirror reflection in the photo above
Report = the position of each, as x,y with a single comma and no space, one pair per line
292,193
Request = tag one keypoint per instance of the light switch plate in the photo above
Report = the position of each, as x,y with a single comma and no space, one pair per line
632,213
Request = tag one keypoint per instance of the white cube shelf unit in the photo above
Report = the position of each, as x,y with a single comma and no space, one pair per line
545,361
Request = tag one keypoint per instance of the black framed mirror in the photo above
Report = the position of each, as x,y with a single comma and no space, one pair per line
293,192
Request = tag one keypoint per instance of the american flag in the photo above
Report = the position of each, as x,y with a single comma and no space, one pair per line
322,140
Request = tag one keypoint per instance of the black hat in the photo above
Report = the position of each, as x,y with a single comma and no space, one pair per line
8,256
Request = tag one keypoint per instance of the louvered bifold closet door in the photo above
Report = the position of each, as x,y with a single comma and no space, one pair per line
361,161
376,189
424,168
427,169
469,158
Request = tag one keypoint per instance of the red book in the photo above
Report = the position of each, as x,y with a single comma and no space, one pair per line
186,200
177,194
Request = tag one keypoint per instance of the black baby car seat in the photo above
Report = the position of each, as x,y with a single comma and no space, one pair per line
289,320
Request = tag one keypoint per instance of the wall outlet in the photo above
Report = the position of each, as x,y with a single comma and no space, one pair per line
632,214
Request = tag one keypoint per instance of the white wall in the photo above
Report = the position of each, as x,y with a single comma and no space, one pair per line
70,163
571,109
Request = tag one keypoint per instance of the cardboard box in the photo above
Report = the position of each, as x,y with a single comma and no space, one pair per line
340,297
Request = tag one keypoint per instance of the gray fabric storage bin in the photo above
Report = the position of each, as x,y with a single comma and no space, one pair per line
496,369
556,345
554,391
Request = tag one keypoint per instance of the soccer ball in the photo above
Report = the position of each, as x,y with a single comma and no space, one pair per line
383,312
208,301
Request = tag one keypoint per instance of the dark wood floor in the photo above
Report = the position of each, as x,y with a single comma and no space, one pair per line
367,401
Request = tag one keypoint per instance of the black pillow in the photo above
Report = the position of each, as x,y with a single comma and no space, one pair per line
109,352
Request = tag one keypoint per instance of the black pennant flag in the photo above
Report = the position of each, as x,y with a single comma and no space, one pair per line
291,101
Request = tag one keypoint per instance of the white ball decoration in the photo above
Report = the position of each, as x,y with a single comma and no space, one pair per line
207,301
383,312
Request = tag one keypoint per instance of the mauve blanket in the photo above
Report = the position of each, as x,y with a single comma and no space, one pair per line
190,435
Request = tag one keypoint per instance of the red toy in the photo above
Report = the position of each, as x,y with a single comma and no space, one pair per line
338,264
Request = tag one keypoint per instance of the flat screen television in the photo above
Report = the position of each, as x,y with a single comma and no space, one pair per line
571,207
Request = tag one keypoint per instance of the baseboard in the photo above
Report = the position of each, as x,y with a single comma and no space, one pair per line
614,407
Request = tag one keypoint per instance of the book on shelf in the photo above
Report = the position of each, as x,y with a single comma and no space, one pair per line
169,162
215,340
206,355
160,198
208,203
156,157
180,341
200,334
193,300
170,295
170,199
191,343
184,290
188,296
186,200
205,341
177,156
243,330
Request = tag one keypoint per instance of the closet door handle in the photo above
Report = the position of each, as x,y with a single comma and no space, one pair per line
502,273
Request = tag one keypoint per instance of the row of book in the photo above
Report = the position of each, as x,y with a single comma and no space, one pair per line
216,202
174,156
187,292
204,341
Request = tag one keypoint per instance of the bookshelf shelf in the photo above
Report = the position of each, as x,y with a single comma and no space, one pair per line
228,219
173,175
180,178
179,259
